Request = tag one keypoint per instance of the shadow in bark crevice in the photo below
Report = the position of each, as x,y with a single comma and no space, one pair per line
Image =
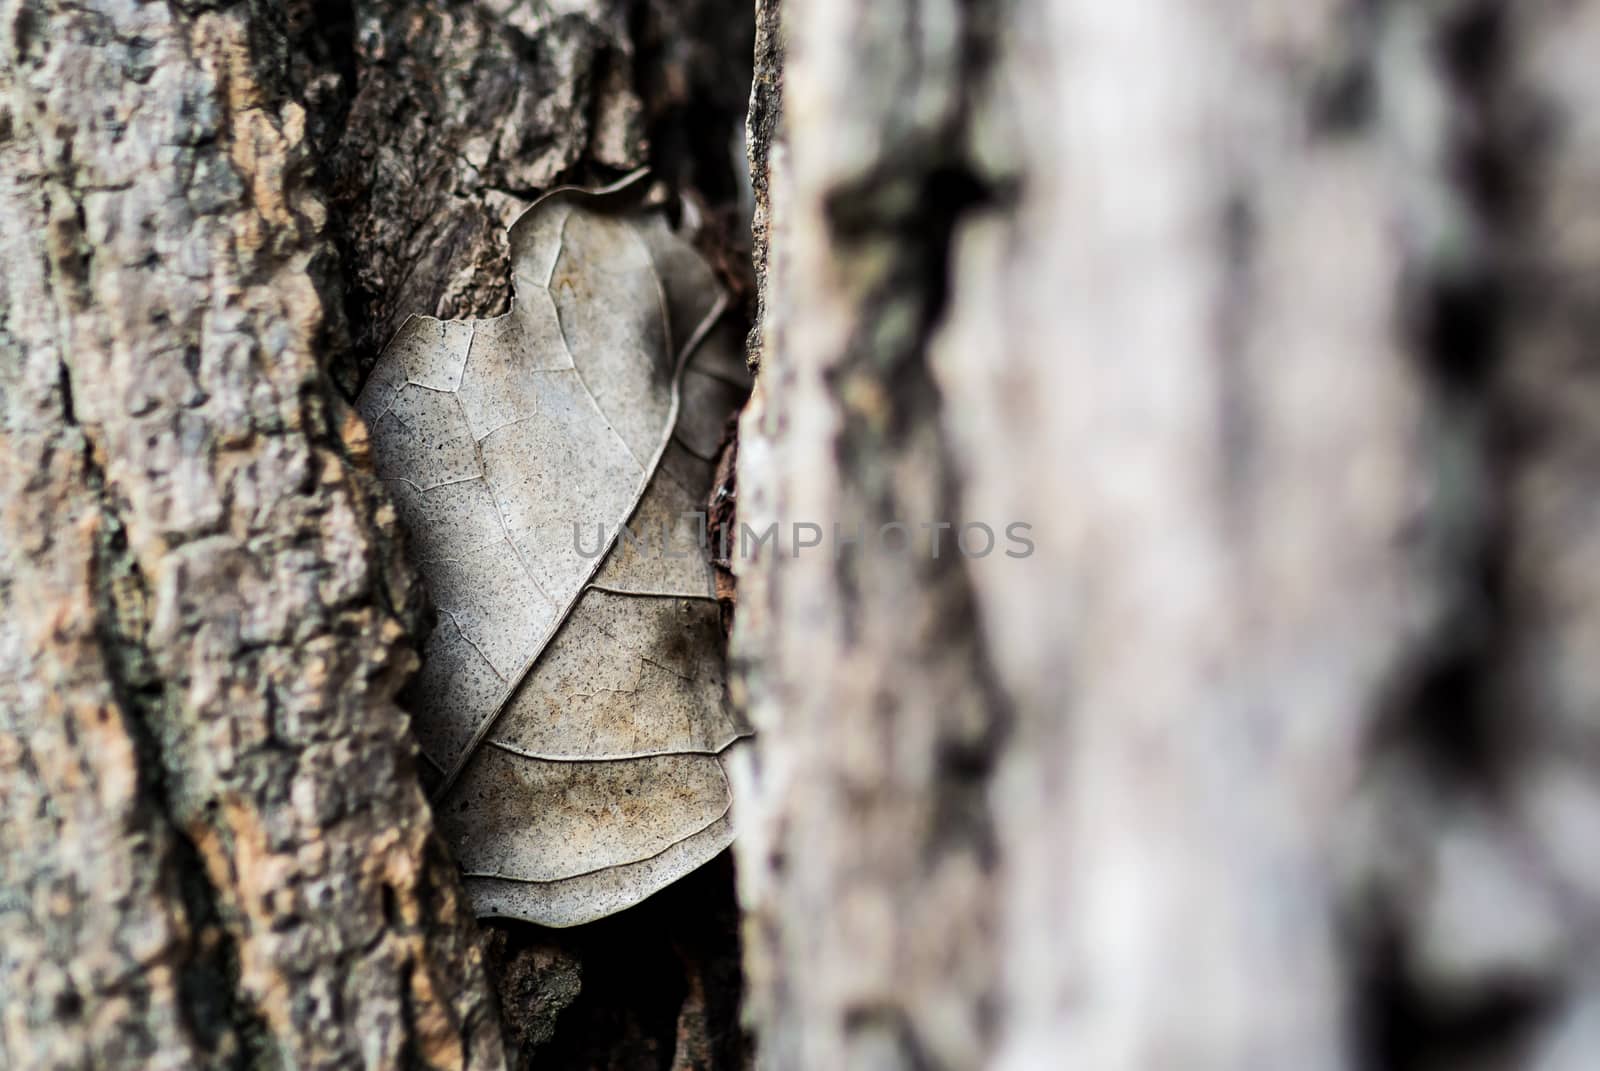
653,988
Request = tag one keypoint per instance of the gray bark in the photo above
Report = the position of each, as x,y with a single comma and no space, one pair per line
213,847
1271,320
213,840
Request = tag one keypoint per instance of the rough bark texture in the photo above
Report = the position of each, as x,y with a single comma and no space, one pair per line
213,848
1273,321
462,113
214,840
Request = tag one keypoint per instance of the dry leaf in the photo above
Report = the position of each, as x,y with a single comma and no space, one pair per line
572,701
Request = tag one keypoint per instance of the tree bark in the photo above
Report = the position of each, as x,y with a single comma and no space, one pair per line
1271,320
213,836
213,847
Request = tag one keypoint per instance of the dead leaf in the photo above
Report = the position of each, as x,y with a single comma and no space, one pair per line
572,701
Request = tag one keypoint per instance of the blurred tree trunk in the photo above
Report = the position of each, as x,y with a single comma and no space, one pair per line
1276,322
213,848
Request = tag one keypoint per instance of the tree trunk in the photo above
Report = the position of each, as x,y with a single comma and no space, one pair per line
1268,742
213,847
1277,749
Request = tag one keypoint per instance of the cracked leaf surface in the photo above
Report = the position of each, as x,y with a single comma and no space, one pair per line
572,701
